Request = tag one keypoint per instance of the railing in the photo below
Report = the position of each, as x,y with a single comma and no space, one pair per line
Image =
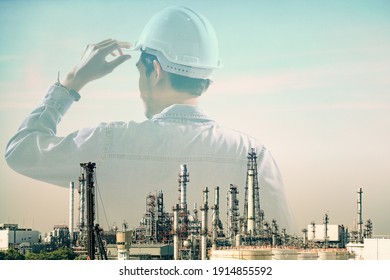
380,237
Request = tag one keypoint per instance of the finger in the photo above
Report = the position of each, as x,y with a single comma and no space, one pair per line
116,62
124,45
91,47
99,45
104,41
115,45
103,44
119,51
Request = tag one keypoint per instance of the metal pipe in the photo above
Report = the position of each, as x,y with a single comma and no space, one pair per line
183,185
183,215
204,210
215,216
313,229
251,204
233,214
195,213
304,237
360,214
326,237
90,199
71,211
176,232
229,213
82,203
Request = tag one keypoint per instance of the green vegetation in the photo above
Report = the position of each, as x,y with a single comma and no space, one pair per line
11,254
59,254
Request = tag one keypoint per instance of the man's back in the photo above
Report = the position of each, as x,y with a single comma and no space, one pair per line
133,159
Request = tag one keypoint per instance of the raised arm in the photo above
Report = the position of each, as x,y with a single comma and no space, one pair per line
94,65
36,150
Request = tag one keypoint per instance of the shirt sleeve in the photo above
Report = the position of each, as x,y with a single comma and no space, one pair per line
37,152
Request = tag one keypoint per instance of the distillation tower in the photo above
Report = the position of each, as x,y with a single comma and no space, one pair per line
204,209
217,224
89,236
94,239
183,211
252,211
326,237
71,212
156,224
182,246
233,214
81,223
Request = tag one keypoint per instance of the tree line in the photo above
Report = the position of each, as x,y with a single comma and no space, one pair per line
59,254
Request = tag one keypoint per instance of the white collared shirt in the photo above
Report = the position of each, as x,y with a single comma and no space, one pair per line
133,159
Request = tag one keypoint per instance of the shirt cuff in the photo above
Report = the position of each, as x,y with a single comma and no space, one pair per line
59,98
68,91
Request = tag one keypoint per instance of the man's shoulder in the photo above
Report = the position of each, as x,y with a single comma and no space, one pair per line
239,135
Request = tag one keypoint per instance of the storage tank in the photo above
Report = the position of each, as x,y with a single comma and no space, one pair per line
307,255
241,253
284,254
327,255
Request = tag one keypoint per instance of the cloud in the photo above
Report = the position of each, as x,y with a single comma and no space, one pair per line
339,77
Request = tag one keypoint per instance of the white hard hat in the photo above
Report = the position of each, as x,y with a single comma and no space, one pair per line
183,41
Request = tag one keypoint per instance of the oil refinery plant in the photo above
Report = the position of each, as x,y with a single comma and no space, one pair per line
198,233
184,234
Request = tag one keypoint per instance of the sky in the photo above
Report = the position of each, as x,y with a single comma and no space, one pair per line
308,78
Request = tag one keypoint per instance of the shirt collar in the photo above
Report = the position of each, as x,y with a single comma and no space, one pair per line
182,113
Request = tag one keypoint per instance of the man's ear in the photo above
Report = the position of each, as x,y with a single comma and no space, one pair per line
158,76
157,68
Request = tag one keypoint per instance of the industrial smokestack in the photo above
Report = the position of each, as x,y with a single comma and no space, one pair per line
360,214
204,209
326,237
313,229
195,212
233,213
183,180
82,203
252,211
176,240
183,215
251,202
90,204
215,216
305,237
71,211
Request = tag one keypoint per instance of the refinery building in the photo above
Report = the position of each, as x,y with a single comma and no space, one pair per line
188,231
11,236
182,232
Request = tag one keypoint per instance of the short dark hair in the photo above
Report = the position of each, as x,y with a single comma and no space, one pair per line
180,83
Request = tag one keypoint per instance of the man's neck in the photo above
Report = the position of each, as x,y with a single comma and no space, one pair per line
170,98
